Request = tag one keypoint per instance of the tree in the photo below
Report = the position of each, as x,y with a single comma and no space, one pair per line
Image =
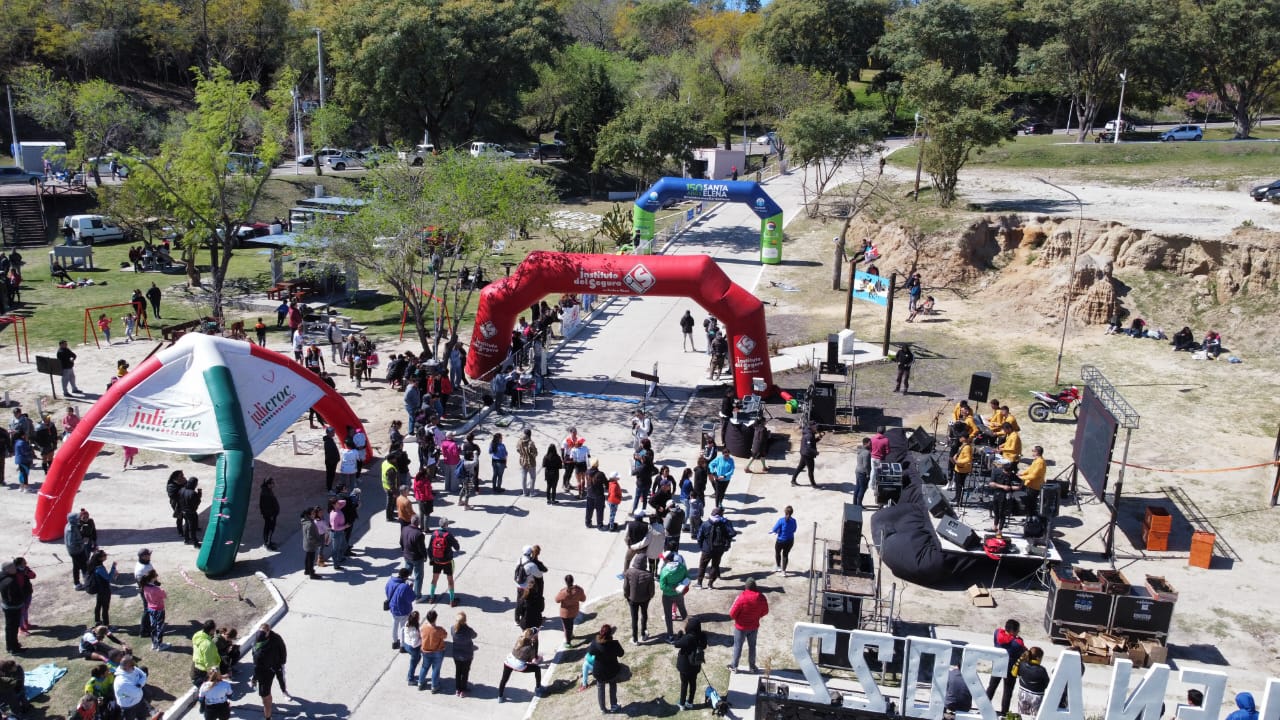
961,115
963,35
194,179
646,136
577,93
446,65
419,227
1237,43
329,127
592,21
720,71
1090,43
830,35
824,139
98,116
656,28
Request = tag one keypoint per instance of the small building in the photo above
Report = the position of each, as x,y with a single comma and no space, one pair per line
719,163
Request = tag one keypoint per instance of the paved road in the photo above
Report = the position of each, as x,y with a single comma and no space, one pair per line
341,664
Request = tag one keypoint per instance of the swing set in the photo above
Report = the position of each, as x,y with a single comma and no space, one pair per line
91,323
442,313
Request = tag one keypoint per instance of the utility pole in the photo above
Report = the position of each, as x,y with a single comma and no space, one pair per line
320,65
13,130
1124,77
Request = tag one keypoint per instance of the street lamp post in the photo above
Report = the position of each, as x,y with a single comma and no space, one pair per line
320,65
1071,283
1124,77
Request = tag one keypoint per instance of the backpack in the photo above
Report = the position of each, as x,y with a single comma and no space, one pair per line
521,576
91,581
720,539
440,547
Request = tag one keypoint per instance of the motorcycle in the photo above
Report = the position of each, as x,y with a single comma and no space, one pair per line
1067,401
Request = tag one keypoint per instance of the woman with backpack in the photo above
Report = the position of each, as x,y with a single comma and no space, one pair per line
691,654
523,658
98,584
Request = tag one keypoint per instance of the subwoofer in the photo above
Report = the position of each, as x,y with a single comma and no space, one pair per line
822,403
958,533
979,387
1050,500
931,472
937,503
851,536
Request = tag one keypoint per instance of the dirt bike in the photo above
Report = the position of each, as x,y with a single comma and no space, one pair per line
1067,401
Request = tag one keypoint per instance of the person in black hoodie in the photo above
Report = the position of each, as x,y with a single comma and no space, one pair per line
1033,680
177,481
606,651
11,599
1007,639
269,657
332,456
189,503
691,648
269,506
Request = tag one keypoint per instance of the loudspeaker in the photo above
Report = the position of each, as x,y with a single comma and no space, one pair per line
822,403
931,472
899,445
1050,500
979,387
936,501
833,350
921,441
851,537
958,533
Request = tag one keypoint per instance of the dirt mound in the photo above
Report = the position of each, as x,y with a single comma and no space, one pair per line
1019,266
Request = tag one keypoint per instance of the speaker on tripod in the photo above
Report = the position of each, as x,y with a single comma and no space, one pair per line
980,387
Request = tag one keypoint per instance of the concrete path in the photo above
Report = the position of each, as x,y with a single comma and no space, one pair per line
341,663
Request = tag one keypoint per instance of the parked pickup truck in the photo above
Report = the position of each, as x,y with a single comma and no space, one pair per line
417,155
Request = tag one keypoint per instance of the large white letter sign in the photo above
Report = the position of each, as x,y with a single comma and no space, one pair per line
826,635
1215,686
1145,700
984,709
1270,701
858,641
1067,677
940,651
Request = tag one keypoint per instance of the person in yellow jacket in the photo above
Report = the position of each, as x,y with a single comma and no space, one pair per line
204,652
961,467
958,413
1009,418
997,420
1033,476
1012,447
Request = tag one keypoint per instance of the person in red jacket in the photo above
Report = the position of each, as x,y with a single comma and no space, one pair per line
746,612
1007,639
879,451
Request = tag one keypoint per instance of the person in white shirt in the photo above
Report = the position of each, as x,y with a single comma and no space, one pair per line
216,694
129,682
144,564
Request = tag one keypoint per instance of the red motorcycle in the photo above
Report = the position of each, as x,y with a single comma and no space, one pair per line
1067,401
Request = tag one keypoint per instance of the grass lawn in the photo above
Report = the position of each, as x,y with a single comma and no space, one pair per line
61,616
1125,161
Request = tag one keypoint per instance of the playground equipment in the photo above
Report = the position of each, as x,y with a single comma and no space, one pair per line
91,322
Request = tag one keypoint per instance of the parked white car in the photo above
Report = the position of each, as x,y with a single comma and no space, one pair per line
488,149
348,160
309,159
90,229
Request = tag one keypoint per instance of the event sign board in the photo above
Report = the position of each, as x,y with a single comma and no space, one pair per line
871,288
1142,702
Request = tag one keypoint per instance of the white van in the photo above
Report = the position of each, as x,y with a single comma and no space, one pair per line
488,149
90,229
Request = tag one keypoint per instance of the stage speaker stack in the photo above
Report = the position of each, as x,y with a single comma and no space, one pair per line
980,387
958,533
822,403
937,503
1050,500
851,536
931,473
832,365
921,441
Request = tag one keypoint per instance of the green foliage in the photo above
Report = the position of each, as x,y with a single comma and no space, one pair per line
578,91
329,127
466,202
1237,43
963,35
822,137
193,182
646,136
834,36
446,65
615,225
656,28
961,115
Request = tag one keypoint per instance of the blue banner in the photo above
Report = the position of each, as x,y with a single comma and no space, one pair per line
871,288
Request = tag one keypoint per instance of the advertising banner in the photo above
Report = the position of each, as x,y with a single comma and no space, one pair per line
871,288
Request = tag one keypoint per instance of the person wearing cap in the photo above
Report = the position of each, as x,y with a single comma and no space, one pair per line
905,358
143,566
129,690
597,484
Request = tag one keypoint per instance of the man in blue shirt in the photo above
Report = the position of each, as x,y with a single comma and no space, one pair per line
785,529
721,470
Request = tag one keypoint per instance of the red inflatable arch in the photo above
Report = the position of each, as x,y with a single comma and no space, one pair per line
696,277
78,451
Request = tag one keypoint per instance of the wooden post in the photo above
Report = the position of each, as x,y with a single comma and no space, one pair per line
1275,456
919,166
888,315
848,298
835,265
